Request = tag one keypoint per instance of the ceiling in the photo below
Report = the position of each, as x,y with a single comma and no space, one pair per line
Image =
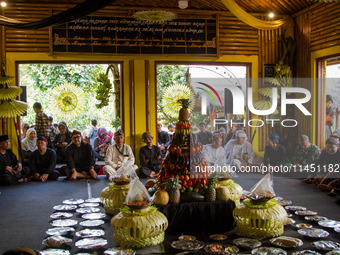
254,6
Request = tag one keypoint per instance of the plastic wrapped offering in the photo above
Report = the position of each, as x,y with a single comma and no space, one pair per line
263,190
138,197
124,175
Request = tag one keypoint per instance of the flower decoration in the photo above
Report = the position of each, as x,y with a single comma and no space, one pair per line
67,100
155,16
171,96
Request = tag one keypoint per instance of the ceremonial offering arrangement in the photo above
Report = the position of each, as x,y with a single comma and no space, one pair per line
138,224
114,195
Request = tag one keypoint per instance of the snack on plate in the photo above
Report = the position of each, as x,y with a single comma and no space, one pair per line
138,196
57,241
263,190
124,175
286,242
218,237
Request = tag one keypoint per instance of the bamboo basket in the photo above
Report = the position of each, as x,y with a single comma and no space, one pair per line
113,197
139,228
235,190
260,220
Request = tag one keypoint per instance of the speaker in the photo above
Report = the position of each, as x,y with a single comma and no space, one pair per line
23,97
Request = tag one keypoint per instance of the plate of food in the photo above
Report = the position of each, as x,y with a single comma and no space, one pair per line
285,202
286,242
295,208
302,225
90,232
218,237
305,213
187,238
93,216
64,223
221,249
329,223
248,243
313,232
65,207
335,252
56,241
91,243
315,218
337,229
88,210
306,252
61,215
54,252
268,250
326,245
59,231
187,245
73,201
91,223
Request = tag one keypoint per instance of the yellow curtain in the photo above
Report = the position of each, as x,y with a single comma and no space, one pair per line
249,19
13,136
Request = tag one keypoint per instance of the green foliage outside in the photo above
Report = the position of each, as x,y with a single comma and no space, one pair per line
40,79
168,75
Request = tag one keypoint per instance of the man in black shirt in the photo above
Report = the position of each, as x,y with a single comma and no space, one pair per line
11,170
80,159
275,153
42,162
163,139
150,157
203,136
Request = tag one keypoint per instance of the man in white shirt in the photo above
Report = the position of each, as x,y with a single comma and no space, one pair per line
214,153
240,152
118,155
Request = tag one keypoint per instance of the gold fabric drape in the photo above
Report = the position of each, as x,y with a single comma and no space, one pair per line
249,19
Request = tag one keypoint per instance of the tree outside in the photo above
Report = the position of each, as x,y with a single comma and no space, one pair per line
41,79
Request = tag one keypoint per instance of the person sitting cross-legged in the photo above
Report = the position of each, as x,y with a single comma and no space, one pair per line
118,155
150,157
79,159
42,162
11,170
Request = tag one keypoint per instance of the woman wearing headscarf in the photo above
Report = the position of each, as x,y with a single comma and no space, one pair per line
24,127
275,153
101,143
29,144
61,141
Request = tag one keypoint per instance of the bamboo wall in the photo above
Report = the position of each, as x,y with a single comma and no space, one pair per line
315,29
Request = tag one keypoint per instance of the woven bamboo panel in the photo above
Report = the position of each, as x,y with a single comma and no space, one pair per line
325,29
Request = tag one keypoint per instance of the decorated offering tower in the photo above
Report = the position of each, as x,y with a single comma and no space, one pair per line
184,162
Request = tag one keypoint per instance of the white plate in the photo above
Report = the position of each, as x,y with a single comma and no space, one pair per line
329,223
59,231
54,252
313,232
306,252
93,216
64,207
268,250
91,223
248,243
187,245
281,241
88,205
295,208
88,210
337,229
315,218
302,225
92,243
335,252
285,202
73,201
61,215
93,200
326,245
90,233
64,223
